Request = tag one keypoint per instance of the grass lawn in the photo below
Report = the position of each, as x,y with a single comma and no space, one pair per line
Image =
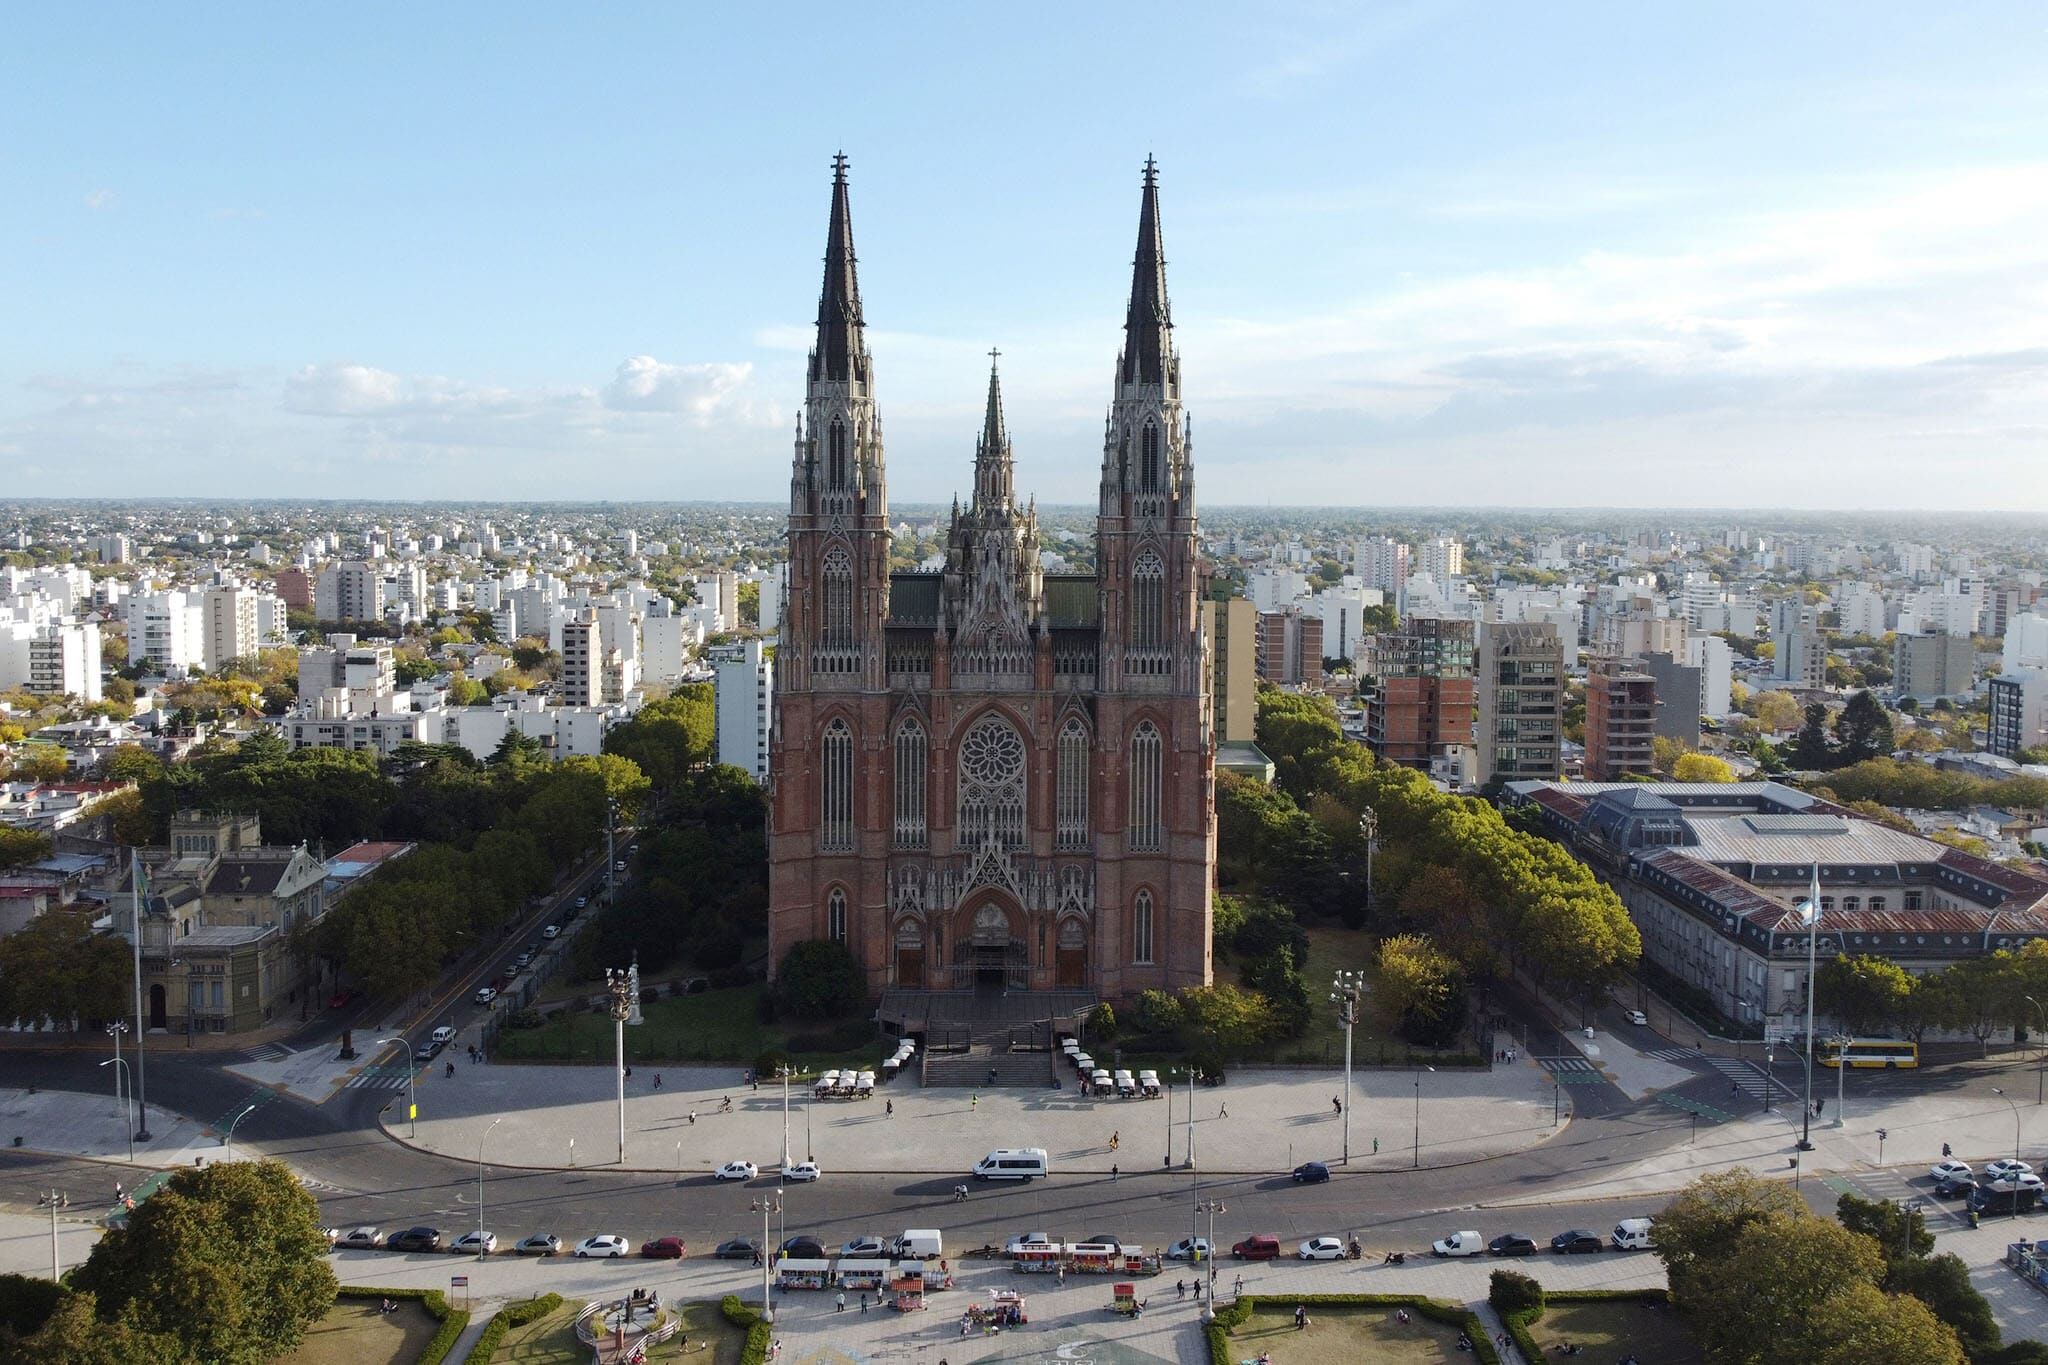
717,1026
1611,1328
1336,1332
355,1333
707,1339
1332,949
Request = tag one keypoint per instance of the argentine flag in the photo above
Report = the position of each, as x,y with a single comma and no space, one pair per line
1809,909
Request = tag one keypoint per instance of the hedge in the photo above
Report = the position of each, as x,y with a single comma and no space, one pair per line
759,1333
510,1316
452,1319
1518,1324
1437,1310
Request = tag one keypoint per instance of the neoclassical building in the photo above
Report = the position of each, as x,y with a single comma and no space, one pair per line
990,776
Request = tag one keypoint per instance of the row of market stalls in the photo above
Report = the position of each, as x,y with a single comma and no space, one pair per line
1096,1080
1084,1258
901,1284
844,1085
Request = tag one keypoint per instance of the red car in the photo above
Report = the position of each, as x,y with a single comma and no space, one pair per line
1257,1249
664,1249
341,996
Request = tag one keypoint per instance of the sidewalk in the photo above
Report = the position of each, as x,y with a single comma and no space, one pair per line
1261,1122
70,1123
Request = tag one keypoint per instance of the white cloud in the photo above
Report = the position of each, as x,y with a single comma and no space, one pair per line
100,199
644,384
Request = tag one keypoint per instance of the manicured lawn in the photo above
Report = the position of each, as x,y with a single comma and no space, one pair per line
1332,949
1611,1328
717,1026
355,1333
545,1341
706,1339
1337,1332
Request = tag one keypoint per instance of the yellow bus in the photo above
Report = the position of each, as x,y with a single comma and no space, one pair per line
1890,1053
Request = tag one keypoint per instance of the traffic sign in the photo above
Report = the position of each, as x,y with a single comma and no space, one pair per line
458,1281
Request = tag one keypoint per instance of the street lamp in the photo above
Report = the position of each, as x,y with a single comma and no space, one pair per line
1369,826
2015,1120
228,1138
1167,1163
2040,1042
619,984
784,1072
481,1249
412,1107
114,1031
1416,1162
1841,1042
1193,1075
54,1200
765,1206
1812,916
119,1074
1212,1207
1345,990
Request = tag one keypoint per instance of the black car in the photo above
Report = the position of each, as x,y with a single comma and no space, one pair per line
1511,1244
804,1249
1311,1173
1104,1239
1953,1189
415,1239
738,1249
1578,1239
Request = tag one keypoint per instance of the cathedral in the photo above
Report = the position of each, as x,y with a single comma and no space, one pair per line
989,777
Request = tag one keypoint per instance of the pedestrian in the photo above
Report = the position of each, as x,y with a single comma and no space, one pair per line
1945,1151
693,1118
1224,1111
451,1068
1116,1139
1375,1146
1237,1288
863,1302
1112,1173
974,1100
991,1077
1180,1289
629,1073
657,1080
1300,1316
1335,1103
889,1108
1198,1291
839,1304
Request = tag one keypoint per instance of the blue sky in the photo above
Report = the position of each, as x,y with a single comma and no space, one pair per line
1428,253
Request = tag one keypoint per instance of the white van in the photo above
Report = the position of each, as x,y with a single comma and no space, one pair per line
919,1244
1634,1234
1012,1163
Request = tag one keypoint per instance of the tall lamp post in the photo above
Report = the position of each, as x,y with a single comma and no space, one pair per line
784,1072
481,1249
2015,1120
1369,826
1841,1042
142,1133
114,1031
1193,1076
1168,1088
54,1200
1345,991
2040,1043
227,1140
122,1065
1811,913
1212,1207
620,985
412,1105
1416,1162
765,1206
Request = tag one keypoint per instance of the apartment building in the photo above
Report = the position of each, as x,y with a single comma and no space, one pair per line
1930,666
1423,694
743,684
1621,714
1232,628
1520,698
1290,648
352,590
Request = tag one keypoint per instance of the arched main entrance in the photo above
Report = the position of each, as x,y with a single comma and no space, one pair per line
156,1006
910,954
1070,964
988,956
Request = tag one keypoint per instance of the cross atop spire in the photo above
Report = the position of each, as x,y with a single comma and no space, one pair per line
1148,339
841,352
992,470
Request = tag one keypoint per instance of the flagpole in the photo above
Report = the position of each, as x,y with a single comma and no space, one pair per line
142,1133
1812,934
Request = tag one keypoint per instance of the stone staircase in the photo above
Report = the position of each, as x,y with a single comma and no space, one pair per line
969,1070
991,1023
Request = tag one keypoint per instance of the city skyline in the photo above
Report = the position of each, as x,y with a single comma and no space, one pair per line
1415,254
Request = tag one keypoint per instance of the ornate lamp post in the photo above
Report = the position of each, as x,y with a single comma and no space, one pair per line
1345,991
619,984
765,1206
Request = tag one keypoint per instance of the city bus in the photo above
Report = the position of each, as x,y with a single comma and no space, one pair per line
1890,1053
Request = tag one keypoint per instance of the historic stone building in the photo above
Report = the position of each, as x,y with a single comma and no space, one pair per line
991,776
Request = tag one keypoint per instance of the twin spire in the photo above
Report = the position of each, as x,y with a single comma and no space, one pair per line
841,354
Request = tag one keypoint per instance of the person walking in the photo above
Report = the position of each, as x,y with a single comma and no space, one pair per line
1116,1139
693,1118
1112,1172
1180,1289
657,1080
839,1303
1237,1288
863,1302
1223,1111
974,1100
1335,1103
889,1108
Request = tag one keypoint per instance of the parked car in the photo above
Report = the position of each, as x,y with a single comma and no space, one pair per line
1027,1239
1511,1244
341,996
582,901
2006,1167
798,1172
1952,1170
1311,1173
604,1246
1458,1244
1321,1249
427,1051
866,1245
1639,1018
1104,1239
2005,1198
521,962
1189,1249
444,1035
2026,1181
664,1249
358,1239
1953,1189
475,1244
1577,1240
414,1239
736,1170
804,1247
1257,1249
485,995
737,1249
552,931
540,1244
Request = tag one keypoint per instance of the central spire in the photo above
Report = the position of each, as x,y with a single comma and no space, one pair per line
841,352
1148,339
992,467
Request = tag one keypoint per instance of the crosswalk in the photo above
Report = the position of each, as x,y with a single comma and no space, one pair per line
1895,1186
1750,1079
389,1077
1572,1070
268,1052
1675,1054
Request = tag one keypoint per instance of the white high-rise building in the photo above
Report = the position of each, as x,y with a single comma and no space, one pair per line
582,660
1861,609
744,687
774,584
1274,589
1947,613
1711,655
2026,642
165,630
1382,562
352,590
1442,558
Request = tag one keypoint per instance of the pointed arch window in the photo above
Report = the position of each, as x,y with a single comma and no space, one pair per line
911,761
835,915
1147,761
835,824
1070,795
992,786
1148,458
1141,929
838,575
835,454
1148,602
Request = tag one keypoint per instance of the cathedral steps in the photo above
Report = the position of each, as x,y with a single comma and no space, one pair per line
969,1070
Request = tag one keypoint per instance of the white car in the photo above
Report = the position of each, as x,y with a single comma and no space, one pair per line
865,1246
1028,1239
1459,1244
1638,1017
1952,1170
2026,1180
1321,1249
736,1170
1190,1249
797,1172
475,1243
604,1246
485,995
552,931
2005,1168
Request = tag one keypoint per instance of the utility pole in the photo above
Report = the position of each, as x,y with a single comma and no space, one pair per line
1345,991
1812,938
54,1200
621,990
142,1133
1212,1207
766,1207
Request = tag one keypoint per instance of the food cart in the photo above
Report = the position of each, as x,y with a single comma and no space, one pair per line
1085,1258
906,1288
1005,1308
1101,1082
864,1085
861,1275
1126,1084
1137,1261
822,1087
802,1273
1124,1299
1038,1259
1148,1083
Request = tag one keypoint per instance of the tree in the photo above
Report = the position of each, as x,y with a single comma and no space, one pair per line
130,763
1746,1304
40,763
820,978
128,818
1811,748
1440,904
1510,1291
1277,978
1901,1236
1865,993
670,737
1943,1284
1700,1226
1863,730
1222,1021
75,1334
57,969
1860,1324
19,846
1701,768
229,1259
516,748
1776,711
1417,989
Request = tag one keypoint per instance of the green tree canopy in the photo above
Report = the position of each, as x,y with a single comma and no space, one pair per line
19,846
1943,1284
1748,1303
1860,1324
1863,730
1700,1226
820,979
58,969
1866,993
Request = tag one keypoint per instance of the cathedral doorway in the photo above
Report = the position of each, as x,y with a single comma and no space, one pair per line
993,960
1070,960
910,955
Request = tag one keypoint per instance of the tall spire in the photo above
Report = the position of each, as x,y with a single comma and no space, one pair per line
1148,340
992,468
841,352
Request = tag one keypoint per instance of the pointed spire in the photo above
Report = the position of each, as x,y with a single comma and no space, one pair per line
992,423
841,353
1148,341
992,472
